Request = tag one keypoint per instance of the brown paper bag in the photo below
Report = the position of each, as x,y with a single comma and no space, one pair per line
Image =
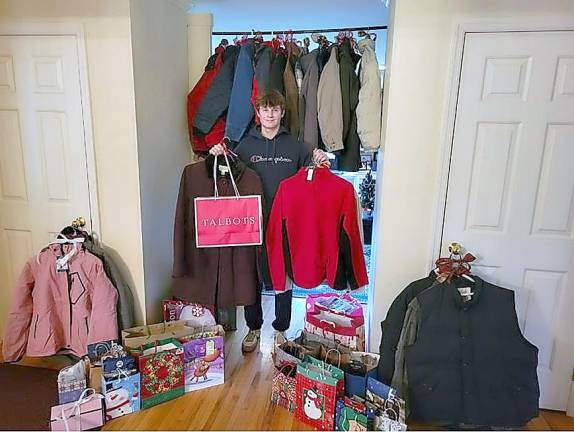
137,336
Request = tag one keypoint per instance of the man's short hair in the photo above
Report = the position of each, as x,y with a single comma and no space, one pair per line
270,98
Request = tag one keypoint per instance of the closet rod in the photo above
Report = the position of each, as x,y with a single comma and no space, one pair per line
269,32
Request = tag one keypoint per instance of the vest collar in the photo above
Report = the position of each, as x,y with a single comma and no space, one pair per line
477,289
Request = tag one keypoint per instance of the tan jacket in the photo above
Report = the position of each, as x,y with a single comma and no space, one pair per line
369,107
330,104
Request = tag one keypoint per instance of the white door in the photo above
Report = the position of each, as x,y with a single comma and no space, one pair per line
43,168
510,196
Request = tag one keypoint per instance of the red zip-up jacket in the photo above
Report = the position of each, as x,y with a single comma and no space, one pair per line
313,233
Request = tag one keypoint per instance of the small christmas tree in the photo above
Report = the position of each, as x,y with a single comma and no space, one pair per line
367,192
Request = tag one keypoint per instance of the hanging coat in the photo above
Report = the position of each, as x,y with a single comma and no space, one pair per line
216,100
370,97
194,99
329,105
240,110
350,158
225,276
53,310
277,69
291,90
309,132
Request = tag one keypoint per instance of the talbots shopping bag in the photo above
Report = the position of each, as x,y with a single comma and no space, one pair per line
228,221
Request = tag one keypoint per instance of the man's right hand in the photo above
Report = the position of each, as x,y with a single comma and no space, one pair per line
217,150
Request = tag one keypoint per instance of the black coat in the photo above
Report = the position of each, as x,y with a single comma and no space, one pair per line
262,61
216,100
350,158
470,363
277,68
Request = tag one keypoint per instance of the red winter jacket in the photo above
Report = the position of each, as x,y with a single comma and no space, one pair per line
202,143
313,233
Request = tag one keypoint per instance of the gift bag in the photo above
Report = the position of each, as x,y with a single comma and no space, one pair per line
338,317
161,371
204,358
194,314
293,353
72,381
99,349
86,413
283,387
318,386
228,221
351,415
137,336
362,366
122,395
390,409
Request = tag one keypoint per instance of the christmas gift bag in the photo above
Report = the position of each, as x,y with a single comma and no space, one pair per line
122,395
72,381
161,371
389,408
194,314
351,415
362,366
318,386
135,337
204,358
228,221
283,387
86,413
338,317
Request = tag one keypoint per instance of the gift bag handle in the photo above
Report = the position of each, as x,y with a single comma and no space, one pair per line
75,409
216,191
338,352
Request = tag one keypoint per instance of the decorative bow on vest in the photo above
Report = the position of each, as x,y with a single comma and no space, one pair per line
453,266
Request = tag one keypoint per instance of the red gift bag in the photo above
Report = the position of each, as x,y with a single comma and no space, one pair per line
228,221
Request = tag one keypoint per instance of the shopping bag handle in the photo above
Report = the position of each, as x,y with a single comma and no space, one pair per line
216,191
338,352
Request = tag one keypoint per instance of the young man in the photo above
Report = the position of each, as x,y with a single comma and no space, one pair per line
275,155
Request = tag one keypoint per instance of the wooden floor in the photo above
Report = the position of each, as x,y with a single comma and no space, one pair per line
243,402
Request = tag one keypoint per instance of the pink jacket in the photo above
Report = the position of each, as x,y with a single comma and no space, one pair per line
53,310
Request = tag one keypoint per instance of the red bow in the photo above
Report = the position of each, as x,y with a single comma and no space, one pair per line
447,268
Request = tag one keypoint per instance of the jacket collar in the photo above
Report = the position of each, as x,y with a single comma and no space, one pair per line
237,167
477,289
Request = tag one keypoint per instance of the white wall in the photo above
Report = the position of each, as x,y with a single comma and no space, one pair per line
199,28
419,49
159,43
106,25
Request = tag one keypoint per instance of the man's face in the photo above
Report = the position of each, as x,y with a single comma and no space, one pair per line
270,116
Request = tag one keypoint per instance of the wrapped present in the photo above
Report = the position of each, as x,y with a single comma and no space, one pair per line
318,386
122,395
161,371
72,381
204,357
283,387
86,413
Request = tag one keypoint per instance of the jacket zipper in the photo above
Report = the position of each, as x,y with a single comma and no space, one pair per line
87,328
36,325
70,299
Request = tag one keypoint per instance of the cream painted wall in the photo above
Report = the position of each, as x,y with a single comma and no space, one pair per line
106,24
199,27
159,41
418,56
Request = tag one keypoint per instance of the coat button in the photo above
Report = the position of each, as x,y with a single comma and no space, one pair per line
466,363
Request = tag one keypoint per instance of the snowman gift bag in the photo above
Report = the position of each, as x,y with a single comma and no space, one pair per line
122,395
318,386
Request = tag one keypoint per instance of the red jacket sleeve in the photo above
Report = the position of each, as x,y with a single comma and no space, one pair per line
19,317
351,227
274,242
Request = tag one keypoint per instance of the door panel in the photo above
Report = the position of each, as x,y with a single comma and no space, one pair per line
43,166
511,184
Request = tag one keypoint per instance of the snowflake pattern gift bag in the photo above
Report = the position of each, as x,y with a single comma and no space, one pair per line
161,370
